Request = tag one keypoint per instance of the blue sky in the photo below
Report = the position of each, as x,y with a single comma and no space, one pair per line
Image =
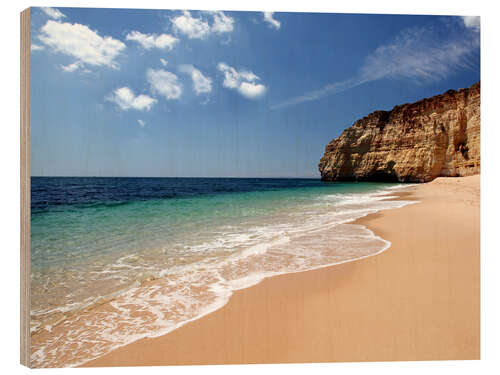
118,92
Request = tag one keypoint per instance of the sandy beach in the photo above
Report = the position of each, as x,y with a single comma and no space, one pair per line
418,300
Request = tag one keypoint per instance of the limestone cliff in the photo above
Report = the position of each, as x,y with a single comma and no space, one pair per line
438,136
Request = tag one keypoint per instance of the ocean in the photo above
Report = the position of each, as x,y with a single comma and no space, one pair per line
114,260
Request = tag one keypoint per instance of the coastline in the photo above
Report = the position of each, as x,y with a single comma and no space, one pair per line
419,300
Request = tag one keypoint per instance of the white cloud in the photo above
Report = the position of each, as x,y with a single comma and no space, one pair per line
164,83
243,81
149,41
53,13
78,41
201,84
36,47
268,17
222,23
252,90
417,54
472,22
72,67
125,98
199,28
231,76
142,123
163,62
193,28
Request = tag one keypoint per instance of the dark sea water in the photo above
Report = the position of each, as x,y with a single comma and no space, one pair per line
117,259
47,193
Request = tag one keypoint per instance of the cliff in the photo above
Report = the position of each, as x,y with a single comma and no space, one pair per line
438,136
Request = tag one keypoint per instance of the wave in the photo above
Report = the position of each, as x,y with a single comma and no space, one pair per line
204,275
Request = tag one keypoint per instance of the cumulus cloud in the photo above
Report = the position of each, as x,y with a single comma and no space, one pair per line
199,28
268,17
53,13
416,54
472,22
125,98
164,83
149,41
82,43
201,84
243,81
142,123
222,23
193,28
36,47
252,90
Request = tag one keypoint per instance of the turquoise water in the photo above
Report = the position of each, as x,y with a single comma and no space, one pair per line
81,232
175,249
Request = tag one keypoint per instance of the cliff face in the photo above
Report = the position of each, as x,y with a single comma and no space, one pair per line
438,136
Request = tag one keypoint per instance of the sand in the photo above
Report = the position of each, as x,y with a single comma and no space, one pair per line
418,300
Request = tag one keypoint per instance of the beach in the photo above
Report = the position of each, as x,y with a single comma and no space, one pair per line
418,300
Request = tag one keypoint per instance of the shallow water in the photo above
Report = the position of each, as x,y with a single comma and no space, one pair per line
117,259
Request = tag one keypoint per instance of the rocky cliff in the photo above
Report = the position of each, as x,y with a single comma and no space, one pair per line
438,136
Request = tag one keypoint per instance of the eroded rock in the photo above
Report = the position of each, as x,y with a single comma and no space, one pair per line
438,136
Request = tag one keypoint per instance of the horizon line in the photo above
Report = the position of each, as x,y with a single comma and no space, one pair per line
93,176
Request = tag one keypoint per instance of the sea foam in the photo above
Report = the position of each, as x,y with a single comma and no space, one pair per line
202,274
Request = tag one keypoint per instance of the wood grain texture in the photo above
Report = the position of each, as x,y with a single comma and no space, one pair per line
25,186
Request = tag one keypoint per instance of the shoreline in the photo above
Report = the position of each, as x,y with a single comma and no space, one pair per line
69,323
295,310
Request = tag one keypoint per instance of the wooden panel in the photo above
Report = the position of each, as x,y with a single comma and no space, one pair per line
25,187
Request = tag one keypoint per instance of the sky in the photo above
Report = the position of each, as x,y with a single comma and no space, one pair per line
159,93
